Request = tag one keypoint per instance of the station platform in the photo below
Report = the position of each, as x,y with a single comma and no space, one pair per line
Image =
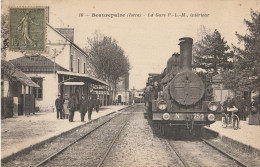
22,132
246,136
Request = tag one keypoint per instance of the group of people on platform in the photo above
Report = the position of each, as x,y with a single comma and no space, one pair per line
66,107
245,109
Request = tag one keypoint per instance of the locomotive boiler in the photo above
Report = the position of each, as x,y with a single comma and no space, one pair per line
181,99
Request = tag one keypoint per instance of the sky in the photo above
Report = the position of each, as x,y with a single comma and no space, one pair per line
147,41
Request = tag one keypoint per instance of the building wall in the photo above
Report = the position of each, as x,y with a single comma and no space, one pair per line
219,93
57,45
4,87
124,96
122,89
222,94
77,55
64,51
50,90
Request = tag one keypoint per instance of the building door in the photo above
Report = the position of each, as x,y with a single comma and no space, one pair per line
28,104
119,98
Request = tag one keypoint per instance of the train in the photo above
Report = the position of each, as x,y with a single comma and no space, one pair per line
177,97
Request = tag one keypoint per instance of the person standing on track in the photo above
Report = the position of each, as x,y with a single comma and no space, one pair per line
83,107
59,106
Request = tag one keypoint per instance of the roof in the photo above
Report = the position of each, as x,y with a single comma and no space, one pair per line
153,74
36,63
68,32
83,75
217,78
12,71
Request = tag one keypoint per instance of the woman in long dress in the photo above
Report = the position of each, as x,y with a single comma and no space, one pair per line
65,107
254,112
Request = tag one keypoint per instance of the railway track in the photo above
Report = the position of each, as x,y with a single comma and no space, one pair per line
239,162
45,161
184,149
183,154
112,143
173,150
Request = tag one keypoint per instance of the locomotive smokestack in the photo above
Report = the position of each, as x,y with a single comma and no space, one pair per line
185,53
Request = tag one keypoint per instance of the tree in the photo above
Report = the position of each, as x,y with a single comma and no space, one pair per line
211,52
4,35
246,73
108,59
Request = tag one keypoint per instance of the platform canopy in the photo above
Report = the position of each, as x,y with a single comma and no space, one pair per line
92,79
13,72
73,83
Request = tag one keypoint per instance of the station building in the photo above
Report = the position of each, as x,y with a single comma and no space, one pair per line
63,68
14,84
219,92
123,94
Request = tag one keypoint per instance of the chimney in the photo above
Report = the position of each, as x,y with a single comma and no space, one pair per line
186,53
67,32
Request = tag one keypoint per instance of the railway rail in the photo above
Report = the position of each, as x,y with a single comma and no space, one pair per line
173,150
239,162
45,161
112,143
183,157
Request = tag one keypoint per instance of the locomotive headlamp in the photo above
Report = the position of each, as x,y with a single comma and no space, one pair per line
166,116
213,106
211,117
162,105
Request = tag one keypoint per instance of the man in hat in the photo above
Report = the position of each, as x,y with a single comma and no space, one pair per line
90,103
72,105
228,104
239,103
83,107
59,106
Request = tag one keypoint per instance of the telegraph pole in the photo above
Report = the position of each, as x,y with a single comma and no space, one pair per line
54,57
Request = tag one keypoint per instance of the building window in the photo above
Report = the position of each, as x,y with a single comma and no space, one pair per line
2,88
78,65
84,67
71,63
37,91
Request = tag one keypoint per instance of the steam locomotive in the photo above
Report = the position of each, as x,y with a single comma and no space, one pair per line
177,97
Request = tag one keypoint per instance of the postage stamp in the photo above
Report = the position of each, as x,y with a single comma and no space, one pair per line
27,29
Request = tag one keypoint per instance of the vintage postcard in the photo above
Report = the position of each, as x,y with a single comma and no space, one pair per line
124,83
